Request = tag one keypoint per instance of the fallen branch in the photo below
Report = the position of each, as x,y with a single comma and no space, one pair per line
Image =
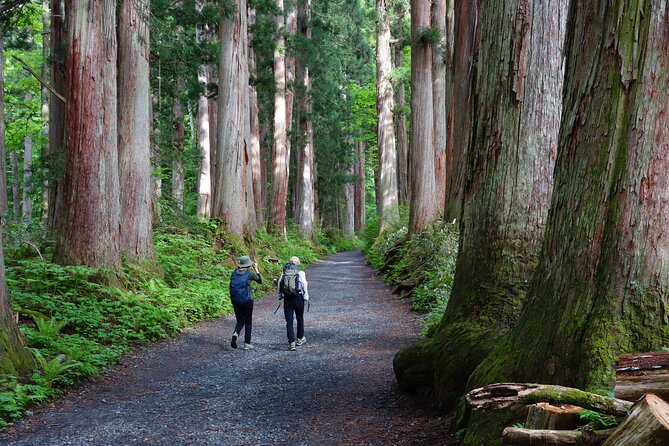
47,86
533,437
505,395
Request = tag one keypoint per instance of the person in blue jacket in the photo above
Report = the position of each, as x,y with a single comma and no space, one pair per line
241,296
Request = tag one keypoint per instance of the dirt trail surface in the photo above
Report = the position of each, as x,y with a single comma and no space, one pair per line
336,389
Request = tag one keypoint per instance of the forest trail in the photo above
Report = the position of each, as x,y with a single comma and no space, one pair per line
336,389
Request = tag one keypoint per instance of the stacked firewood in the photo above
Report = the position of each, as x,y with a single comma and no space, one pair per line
638,414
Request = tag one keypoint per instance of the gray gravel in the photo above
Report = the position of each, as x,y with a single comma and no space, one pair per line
337,389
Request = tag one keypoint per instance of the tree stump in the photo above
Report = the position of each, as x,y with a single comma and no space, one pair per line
641,373
647,424
548,416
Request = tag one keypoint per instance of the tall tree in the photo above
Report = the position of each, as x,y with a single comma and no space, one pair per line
230,194
348,223
280,156
385,134
134,129
460,112
401,132
89,227
360,186
54,155
305,196
179,138
423,209
509,181
257,160
603,268
27,204
203,34
46,78
439,99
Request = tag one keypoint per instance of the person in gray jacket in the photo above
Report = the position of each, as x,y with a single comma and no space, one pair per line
293,301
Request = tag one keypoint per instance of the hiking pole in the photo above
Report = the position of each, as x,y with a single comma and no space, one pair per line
277,308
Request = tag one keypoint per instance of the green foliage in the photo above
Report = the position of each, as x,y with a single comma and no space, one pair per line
597,420
426,259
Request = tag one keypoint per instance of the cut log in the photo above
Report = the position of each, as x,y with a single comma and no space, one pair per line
538,437
507,395
641,373
647,424
550,417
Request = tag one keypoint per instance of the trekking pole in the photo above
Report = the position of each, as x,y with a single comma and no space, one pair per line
277,308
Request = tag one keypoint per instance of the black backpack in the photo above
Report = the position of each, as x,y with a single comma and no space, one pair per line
291,285
240,288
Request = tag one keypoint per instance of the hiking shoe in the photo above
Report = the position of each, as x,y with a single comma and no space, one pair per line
248,346
233,341
301,341
291,346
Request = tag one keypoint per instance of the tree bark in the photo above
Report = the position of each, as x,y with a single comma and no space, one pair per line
647,423
134,141
203,34
259,185
511,155
4,205
385,133
27,204
403,180
460,103
16,185
348,226
230,194
89,226
305,195
280,158
603,267
439,100
179,136
46,80
57,111
531,437
15,357
360,186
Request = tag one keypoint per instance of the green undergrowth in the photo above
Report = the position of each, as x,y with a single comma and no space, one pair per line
78,322
422,265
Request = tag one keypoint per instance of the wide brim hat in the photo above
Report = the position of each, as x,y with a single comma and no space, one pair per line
244,262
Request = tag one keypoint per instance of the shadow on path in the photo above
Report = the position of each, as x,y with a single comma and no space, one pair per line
337,389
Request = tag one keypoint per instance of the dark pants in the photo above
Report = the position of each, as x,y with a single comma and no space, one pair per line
290,307
244,315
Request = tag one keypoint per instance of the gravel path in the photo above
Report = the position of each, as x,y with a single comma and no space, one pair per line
337,389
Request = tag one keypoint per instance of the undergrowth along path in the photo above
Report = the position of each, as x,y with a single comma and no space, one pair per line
337,389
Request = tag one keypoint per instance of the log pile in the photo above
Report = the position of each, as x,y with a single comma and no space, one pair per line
642,373
552,416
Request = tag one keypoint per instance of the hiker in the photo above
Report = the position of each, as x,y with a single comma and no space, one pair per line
241,296
293,290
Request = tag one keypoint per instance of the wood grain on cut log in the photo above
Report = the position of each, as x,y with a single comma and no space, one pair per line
641,373
548,416
647,424
506,395
533,437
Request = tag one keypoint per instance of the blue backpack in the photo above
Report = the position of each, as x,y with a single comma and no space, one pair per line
240,288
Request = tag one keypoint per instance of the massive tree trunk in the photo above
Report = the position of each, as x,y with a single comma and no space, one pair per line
179,136
203,35
89,226
259,185
385,133
603,269
156,180
460,101
291,30
134,142
348,226
280,159
403,181
26,202
305,167
360,186
509,181
423,209
55,153
439,100
230,199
